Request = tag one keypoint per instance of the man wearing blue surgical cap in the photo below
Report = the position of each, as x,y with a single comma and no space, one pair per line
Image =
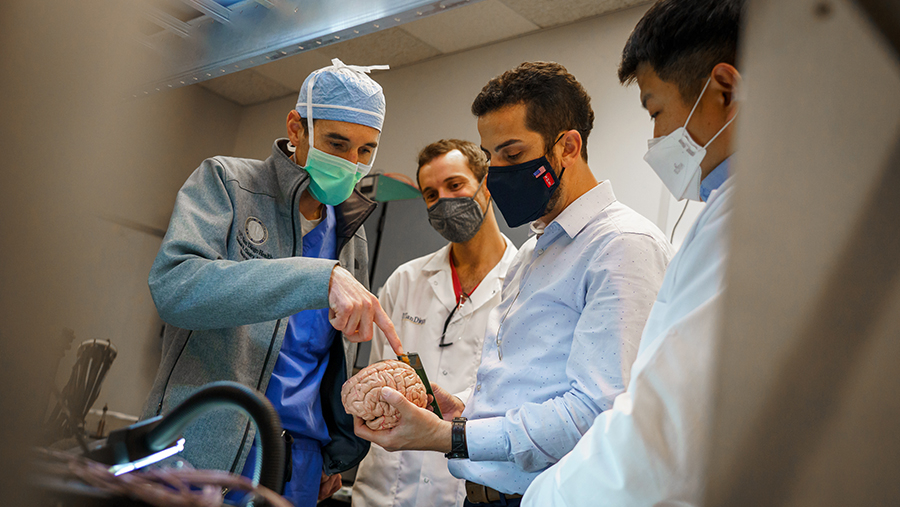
261,279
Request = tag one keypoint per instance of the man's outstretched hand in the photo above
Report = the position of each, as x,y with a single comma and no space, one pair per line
353,310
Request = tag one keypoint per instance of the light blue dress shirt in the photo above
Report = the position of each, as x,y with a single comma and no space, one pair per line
651,447
568,327
714,179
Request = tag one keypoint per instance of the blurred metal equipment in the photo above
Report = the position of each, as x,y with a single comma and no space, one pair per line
807,405
66,419
118,471
155,439
198,40
66,480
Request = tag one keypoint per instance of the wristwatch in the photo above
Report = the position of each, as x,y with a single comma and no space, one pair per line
458,447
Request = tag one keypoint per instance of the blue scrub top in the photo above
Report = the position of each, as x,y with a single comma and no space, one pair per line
294,386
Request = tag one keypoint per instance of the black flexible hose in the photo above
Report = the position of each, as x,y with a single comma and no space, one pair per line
231,395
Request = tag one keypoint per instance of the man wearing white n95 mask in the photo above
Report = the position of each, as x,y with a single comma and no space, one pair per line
440,304
650,448
260,281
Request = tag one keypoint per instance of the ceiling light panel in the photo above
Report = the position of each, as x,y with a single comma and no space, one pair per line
228,37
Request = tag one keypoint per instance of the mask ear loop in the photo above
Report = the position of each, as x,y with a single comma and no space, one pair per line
708,80
487,208
697,103
563,170
720,131
479,190
309,118
364,169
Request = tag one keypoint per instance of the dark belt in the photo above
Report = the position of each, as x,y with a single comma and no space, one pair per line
476,493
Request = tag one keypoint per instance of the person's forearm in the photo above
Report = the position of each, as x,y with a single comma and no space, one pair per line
199,293
442,439
195,285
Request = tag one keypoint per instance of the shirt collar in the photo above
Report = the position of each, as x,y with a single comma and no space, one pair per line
580,212
286,171
714,179
440,261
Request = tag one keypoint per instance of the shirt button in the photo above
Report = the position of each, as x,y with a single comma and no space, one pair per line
478,387
446,373
425,480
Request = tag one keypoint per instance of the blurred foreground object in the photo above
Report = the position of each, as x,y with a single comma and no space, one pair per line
109,466
69,479
66,419
807,407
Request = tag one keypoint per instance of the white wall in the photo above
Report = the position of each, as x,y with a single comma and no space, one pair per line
431,100
168,136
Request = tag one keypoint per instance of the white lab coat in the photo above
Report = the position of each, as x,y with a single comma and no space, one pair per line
418,297
650,448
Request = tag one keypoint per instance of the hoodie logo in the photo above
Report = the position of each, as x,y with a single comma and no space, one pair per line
255,230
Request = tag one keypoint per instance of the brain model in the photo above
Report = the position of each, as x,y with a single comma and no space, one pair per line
361,394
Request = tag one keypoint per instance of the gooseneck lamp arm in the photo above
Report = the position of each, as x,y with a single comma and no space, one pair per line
160,433
229,394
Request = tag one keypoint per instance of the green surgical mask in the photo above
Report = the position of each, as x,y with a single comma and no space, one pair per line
332,178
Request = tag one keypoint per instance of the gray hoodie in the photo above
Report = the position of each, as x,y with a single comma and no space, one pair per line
226,277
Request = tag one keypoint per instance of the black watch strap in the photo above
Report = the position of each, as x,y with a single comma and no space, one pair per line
458,447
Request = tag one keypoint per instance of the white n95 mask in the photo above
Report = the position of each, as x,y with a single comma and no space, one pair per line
676,158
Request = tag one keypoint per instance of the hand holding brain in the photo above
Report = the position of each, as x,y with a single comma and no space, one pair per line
361,394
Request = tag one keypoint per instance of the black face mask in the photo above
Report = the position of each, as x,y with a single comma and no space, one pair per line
523,191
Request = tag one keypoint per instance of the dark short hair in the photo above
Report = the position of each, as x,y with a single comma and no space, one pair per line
682,40
476,159
554,100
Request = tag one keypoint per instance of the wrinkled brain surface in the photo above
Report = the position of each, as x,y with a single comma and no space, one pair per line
361,394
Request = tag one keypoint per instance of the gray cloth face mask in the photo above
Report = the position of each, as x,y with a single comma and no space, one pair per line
457,219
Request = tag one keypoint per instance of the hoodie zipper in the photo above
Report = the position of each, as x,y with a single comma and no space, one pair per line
258,386
275,333
166,385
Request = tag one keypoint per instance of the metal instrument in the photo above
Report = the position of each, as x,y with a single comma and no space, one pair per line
412,359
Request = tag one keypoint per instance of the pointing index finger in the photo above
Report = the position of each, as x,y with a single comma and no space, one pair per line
387,327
